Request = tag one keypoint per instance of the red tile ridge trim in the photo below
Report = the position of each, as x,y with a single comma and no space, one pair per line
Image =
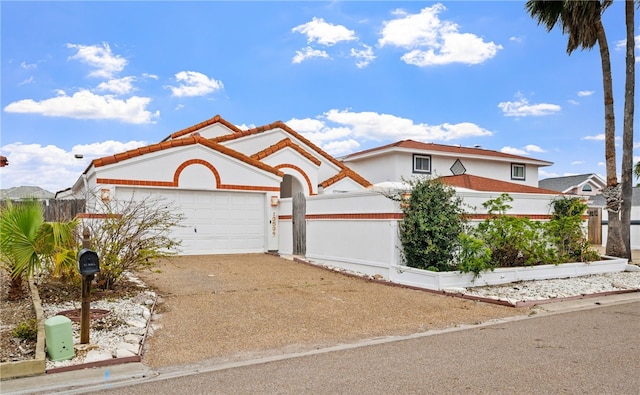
284,144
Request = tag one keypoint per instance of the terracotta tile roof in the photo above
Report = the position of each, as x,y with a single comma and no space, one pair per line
284,144
344,173
417,145
194,139
208,122
484,184
279,124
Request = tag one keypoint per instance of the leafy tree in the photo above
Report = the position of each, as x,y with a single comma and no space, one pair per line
581,20
28,243
637,172
432,221
131,235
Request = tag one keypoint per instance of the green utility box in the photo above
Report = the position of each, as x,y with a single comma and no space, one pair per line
59,338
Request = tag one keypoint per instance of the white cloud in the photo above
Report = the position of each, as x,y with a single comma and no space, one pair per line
574,102
364,56
585,93
308,53
513,151
431,41
516,39
636,145
342,131
105,148
522,108
28,66
324,33
118,86
577,162
87,105
51,167
533,148
545,174
194,84
343,147
99,57
27,81
152,76
522,151
597,137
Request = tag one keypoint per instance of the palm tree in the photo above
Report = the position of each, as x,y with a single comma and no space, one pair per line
28,243
627,134
636,171
581,20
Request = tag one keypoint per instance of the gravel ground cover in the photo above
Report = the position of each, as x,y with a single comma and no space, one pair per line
234,307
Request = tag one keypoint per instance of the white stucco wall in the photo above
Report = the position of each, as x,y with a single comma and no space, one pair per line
161,167
250,145
635,227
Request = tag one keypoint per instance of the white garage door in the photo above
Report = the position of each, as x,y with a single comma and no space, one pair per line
215,222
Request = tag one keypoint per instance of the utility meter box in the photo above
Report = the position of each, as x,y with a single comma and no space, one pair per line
88,262
59,338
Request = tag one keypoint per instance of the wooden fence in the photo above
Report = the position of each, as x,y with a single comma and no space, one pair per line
58,210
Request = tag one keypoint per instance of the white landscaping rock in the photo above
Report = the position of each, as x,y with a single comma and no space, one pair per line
132,339
122,353
97,355
134,348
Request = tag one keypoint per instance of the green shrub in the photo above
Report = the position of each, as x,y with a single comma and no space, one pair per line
513,241
474,256
566,233
432,221
26,330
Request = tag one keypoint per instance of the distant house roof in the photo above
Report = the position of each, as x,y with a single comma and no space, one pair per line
411,145
570,183
25,192
599,200
484,184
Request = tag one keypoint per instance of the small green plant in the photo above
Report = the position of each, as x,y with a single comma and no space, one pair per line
26,330
474,256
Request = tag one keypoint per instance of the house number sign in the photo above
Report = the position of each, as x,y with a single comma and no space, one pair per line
273,223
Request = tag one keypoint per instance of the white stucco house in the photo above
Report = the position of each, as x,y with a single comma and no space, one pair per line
226,181
234,186
471,168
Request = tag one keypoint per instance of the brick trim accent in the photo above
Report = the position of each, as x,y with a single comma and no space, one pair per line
97,216
176,175
399,216
299,170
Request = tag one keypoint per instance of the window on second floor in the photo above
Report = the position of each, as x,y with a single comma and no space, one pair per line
421,163
587,188
517,171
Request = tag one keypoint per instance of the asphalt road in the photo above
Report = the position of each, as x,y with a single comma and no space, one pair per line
593,351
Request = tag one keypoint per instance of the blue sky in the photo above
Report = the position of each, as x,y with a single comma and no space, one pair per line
97,78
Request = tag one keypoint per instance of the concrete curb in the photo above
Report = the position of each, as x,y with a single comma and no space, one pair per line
31,367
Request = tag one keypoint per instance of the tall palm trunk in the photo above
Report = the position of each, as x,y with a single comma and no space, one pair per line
615,246
627,136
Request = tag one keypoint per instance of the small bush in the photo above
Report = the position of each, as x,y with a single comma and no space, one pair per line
26,330
432,221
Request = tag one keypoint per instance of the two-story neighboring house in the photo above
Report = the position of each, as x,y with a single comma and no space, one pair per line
408,158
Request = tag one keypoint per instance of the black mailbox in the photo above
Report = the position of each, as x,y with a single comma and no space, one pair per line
88,262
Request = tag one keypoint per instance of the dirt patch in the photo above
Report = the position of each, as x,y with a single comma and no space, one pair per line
232,307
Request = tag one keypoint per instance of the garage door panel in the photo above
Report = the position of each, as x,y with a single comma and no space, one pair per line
216,221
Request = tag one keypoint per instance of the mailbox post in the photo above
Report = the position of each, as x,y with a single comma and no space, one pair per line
88,266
